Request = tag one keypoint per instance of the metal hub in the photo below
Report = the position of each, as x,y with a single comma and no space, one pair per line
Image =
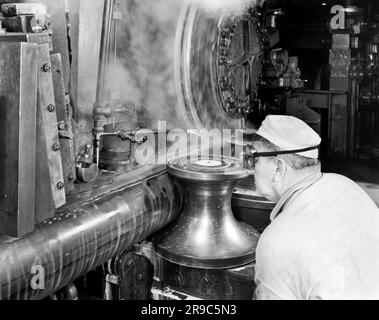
206,234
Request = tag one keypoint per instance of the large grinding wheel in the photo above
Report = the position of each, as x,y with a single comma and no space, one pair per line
206,234
218,66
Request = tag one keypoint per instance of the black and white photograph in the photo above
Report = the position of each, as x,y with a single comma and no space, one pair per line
185,156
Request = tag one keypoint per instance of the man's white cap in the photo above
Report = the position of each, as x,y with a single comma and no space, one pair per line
290,133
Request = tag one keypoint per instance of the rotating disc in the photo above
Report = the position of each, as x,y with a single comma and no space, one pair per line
218,66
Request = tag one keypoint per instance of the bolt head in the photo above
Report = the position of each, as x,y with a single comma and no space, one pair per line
225,34
46,67
231,100
223,42
222,61
223,52
51,108
60,185
56,147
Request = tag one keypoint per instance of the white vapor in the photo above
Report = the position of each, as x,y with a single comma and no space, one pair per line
232,6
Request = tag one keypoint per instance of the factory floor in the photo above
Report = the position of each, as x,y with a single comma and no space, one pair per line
364,172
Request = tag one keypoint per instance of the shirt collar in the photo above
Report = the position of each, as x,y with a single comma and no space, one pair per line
301,186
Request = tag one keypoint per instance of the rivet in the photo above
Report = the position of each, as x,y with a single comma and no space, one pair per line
46,67
222,61
51,108
60,185
56,147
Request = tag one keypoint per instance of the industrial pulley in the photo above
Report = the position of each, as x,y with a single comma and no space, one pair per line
206,234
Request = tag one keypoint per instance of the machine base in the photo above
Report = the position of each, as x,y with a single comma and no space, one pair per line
175,282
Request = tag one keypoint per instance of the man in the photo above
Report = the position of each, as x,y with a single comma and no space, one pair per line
323,242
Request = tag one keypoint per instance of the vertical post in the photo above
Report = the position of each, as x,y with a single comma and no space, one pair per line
18,102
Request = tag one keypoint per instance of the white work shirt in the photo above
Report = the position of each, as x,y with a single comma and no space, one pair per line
323,243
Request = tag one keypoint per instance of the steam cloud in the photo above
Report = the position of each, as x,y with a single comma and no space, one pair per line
145,68
232,6
144,73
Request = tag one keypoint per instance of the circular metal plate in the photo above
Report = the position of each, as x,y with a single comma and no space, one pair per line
206,169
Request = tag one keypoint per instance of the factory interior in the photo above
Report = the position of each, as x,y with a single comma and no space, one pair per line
97,201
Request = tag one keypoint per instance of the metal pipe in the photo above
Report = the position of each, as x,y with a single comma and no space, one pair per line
104,51
85,236
100,111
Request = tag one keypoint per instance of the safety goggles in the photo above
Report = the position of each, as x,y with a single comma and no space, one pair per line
251,156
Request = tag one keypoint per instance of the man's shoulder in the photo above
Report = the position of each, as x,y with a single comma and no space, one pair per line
330,180
337,177
334,178
338,188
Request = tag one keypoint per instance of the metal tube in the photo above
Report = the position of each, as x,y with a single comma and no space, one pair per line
104,51
80,239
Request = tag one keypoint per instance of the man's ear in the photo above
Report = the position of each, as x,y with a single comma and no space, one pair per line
281,169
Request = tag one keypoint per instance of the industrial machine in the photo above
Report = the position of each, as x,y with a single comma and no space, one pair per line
103,194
